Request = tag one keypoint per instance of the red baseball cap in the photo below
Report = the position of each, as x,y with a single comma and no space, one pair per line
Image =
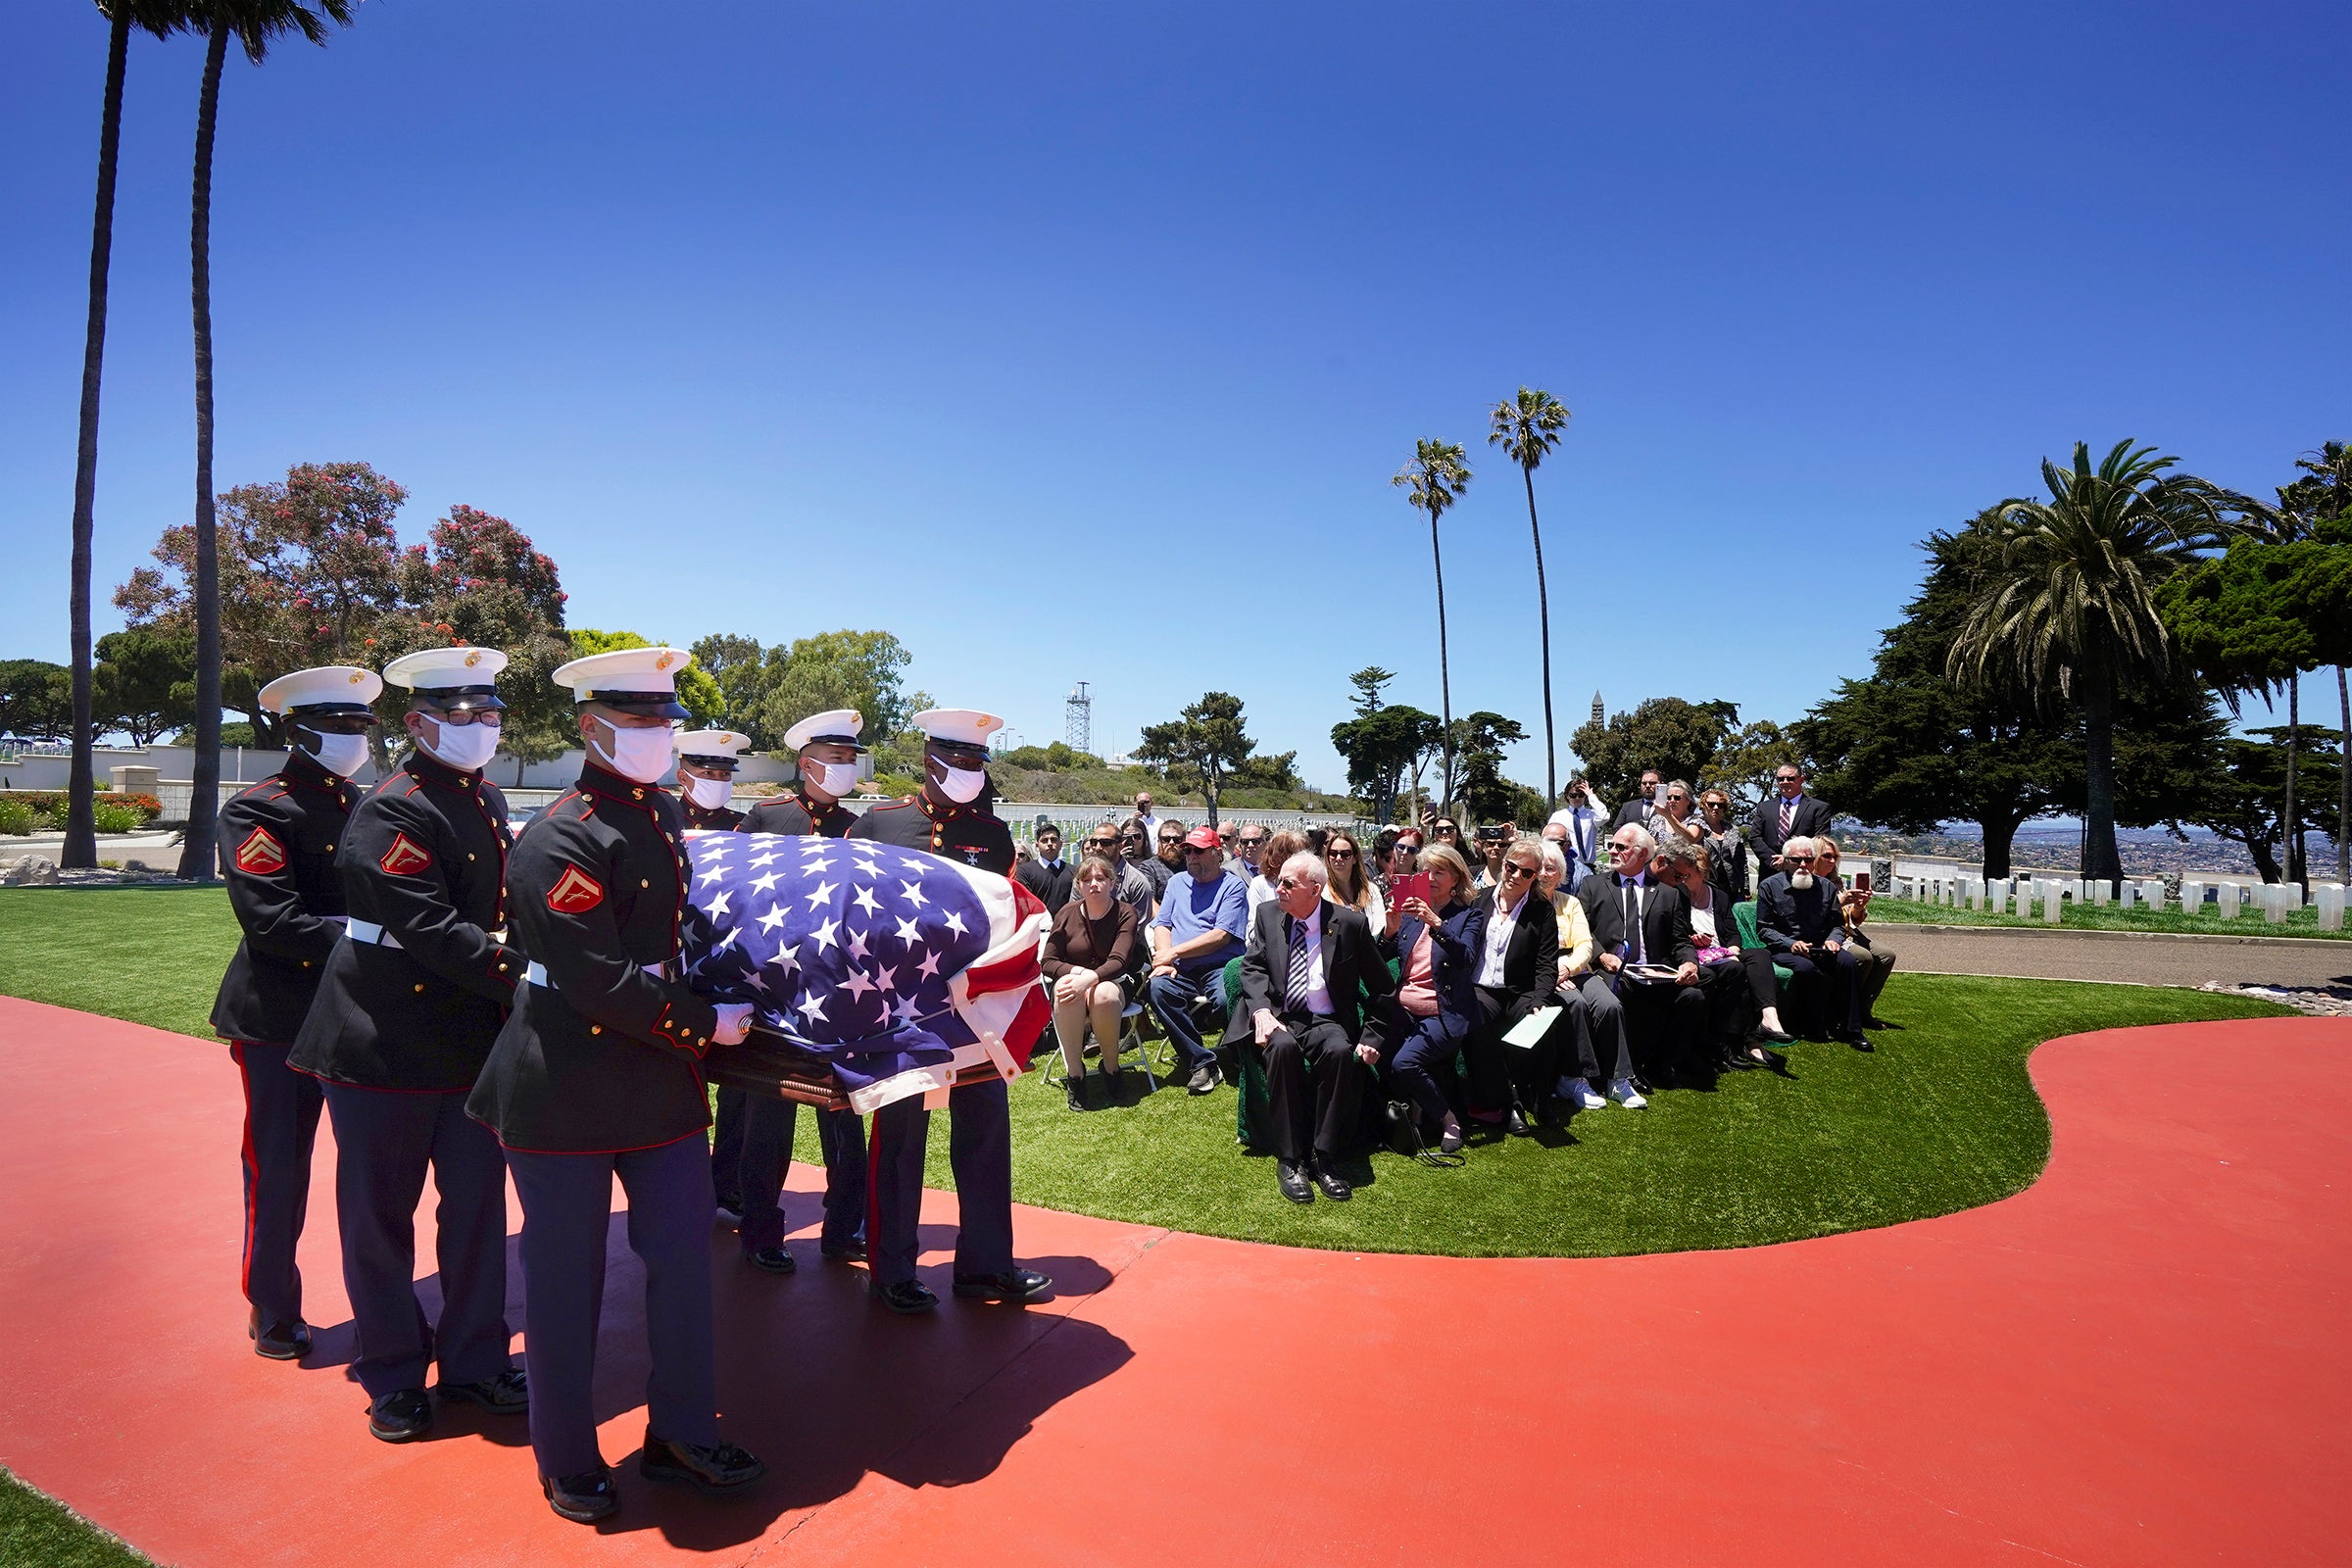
1204,838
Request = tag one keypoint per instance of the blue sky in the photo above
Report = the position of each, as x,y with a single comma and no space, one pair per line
1079,342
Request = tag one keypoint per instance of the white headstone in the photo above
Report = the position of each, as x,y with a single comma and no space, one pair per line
2329,897
2098,893
2053,902
2192,895
2225,899
2152,890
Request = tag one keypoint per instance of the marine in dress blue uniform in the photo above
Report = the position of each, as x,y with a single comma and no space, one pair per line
412,998
753,1142
277,857
598,1074
707,759
948,816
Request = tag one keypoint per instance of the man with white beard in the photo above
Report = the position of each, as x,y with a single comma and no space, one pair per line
1797,914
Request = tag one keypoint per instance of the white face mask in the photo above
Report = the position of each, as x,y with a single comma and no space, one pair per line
836,779
963,785
463,746
709,793
340,755
642,754
1800,880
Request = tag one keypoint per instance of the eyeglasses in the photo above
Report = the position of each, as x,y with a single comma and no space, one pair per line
1801,858
487,717
1253,840
1790,778
1447,830
1171,838
1131,838
1343,855
1512,868
1194,849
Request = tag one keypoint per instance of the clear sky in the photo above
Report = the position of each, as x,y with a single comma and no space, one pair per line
1080,341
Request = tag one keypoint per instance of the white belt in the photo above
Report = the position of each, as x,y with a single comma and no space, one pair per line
368,931
536,973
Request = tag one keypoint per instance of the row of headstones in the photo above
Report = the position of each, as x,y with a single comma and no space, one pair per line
2274,899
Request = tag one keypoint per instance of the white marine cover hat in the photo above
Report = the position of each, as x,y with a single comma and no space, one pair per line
837,726
636,680
451,679
965,727
712,748
329,691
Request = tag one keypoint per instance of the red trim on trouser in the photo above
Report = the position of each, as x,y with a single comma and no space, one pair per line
253,1170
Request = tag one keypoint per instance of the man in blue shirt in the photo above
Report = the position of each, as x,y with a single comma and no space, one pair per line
1204,920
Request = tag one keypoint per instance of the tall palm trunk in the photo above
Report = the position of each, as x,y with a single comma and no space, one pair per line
1552,789
1445,674
2343,785
81,837
2292,850
2100,862
204,798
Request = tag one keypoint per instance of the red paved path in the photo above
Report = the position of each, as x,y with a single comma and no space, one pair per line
2141,1359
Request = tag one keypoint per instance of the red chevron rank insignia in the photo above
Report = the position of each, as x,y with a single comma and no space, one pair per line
575,892
261,855
404,857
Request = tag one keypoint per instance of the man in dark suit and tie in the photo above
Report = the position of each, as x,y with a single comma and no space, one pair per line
1303,982
1788,813
1636,811
1049,876
1797,915
1642,923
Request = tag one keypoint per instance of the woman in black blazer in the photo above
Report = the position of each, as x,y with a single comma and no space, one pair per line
1436,1005
1511,1083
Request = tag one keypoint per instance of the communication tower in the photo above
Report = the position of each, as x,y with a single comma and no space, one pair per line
1078,718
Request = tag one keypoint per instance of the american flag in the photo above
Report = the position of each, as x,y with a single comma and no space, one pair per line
897,965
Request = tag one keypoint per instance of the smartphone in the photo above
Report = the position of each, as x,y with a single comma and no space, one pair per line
1411,885
1861,881
1489,833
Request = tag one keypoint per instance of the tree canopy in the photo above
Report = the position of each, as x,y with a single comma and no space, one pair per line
1200,745
1678,738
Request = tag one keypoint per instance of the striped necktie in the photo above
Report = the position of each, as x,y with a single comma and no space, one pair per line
1788,816
1302,957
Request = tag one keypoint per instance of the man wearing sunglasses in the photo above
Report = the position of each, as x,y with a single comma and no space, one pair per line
1203,921
1132,887
1797,915
1517,969
1785,813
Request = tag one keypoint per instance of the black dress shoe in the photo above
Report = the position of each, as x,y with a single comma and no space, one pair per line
849,1251
286,1341
1858,1040
1514,1123
1334,1187
774,1259
1075,1089
1014,1285
507,1393
1778,1037
906,1296
583,1498
1205,1079
1292,1182
401,1416
714,1467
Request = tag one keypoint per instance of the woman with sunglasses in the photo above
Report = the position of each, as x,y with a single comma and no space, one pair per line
1352,882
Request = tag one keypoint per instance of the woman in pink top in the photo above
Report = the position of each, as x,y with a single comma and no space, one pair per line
1436,943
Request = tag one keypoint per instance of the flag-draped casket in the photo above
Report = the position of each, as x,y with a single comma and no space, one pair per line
896,966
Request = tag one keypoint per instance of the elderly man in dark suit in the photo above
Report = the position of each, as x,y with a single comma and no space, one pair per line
1786,813
1641,926
1797,915
1303,982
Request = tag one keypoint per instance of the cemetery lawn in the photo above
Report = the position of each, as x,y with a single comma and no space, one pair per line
1886,910
1941,1117
39,1532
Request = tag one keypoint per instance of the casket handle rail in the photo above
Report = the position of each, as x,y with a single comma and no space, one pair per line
767,1063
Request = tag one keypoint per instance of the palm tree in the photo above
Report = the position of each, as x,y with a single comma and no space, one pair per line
2067,610
254,24
1527,427
162,20
1436,478
2325,491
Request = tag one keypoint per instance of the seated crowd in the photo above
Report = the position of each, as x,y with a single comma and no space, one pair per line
1507,984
